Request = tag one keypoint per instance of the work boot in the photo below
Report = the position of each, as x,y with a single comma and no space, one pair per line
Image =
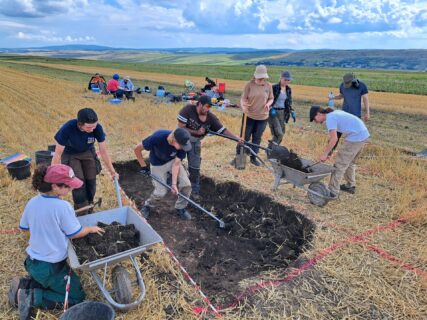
13,291
184,214
255,162
25,301
348,188
333,195
233,162
146,210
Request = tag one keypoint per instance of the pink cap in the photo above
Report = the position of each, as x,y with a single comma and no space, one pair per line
61,173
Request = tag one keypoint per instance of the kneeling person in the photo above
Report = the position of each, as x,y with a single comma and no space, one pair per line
167,150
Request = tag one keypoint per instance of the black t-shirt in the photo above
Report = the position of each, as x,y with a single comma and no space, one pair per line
161,151
189,116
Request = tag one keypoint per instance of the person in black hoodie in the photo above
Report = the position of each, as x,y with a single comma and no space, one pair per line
281,108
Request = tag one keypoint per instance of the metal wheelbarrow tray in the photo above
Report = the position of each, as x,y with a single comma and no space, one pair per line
317,192
123,286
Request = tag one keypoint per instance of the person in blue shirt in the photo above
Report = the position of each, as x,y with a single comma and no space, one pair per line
355,136
76,147
127,86
167,150
51,222
354,91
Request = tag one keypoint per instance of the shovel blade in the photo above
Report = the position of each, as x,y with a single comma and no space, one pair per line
240,162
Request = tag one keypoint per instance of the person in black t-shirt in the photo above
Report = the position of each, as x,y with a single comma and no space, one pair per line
198,120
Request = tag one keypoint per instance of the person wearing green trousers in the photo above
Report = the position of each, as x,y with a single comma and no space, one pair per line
51,222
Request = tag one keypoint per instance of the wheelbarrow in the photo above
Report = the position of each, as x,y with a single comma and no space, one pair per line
317,192
122,286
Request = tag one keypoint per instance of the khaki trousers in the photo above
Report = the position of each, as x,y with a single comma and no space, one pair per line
161,172
345,165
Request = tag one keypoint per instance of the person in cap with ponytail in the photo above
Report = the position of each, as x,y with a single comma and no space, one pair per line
76,147
355,136
51,221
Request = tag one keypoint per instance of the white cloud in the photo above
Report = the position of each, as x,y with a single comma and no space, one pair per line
48,37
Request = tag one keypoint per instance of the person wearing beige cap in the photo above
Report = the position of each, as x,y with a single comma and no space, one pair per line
354,91
256,100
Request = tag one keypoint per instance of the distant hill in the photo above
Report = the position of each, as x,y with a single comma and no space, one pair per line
415,59
366,59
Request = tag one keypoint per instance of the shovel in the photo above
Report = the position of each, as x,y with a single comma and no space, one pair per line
221,223
240,161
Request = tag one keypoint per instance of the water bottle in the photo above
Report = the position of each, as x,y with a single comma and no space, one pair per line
273,112
331,97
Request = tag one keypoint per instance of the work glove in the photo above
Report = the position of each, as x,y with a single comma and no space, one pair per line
145,171
294,115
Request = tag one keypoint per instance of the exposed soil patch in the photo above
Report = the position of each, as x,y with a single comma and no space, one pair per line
117,238
261,234
286,157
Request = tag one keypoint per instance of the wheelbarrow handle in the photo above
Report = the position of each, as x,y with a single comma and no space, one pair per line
237,140
119,196
221,223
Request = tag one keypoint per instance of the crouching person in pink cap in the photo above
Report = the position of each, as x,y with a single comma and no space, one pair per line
51,222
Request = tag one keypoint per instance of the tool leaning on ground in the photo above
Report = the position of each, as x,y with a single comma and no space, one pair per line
221,223
246,145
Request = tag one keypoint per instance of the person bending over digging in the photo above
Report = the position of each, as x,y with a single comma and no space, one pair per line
197,120
167,149
76,147
355,136
51,222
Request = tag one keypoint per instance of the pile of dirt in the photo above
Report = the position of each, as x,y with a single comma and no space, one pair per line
117,238
286,157
260,235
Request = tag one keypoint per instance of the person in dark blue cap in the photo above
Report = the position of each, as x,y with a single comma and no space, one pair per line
167,150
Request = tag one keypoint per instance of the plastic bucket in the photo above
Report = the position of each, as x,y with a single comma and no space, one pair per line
43,157
96,89
51,147
89,310
19,170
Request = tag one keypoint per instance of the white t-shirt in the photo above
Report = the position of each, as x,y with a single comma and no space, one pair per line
50,221
353,129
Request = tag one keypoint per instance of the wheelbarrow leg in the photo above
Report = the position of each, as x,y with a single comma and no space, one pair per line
277,178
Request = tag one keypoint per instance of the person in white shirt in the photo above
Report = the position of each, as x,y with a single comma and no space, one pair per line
355,136
51,222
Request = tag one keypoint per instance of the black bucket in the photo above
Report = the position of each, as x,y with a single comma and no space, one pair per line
89,310
51,147
19,170
44,157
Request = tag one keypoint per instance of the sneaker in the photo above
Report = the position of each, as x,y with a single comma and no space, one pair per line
255,162
347,188
184,214
146,210
25,301
333,195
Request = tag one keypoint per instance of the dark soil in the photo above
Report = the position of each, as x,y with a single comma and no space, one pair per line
260,234
117,238
286,157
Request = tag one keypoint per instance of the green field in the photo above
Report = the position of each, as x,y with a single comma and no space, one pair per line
377,80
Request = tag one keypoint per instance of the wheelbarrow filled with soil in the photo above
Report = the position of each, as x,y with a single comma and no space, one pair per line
135,236
306,172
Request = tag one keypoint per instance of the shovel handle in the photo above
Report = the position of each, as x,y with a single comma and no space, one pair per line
117,187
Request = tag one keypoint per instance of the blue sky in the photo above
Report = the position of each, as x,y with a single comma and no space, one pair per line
294,24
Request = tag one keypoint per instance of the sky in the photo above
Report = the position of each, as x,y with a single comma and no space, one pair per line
263,24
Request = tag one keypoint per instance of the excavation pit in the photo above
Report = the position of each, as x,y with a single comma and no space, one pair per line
260,235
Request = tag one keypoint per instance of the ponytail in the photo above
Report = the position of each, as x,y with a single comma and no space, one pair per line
38,179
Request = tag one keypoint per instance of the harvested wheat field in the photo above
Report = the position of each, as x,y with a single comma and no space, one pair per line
363,256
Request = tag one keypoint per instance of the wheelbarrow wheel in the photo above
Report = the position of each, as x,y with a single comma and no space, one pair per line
122,285
321,198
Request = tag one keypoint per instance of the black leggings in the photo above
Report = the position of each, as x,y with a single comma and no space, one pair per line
254,130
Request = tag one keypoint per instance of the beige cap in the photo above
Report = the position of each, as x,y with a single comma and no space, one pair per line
261,72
